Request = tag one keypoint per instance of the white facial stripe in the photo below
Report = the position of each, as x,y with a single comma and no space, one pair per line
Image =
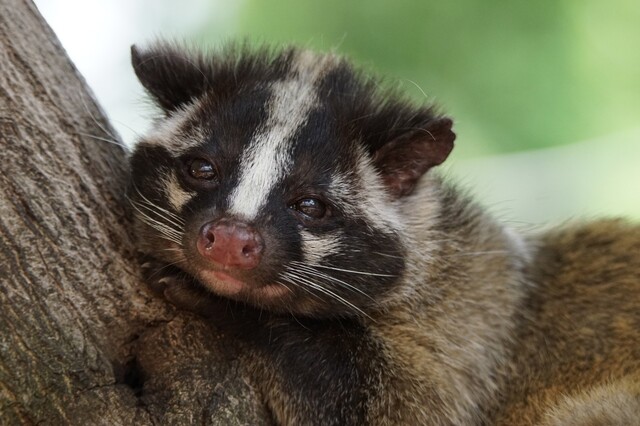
177,196
315,248
369,198
376,203
171,134
267,160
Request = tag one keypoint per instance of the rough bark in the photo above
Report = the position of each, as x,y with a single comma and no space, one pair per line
82,340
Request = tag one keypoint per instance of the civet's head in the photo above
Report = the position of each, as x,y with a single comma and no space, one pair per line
274,176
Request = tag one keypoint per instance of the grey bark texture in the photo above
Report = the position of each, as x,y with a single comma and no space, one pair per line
82,340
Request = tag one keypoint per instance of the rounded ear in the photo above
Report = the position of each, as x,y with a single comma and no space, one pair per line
403,160
172,76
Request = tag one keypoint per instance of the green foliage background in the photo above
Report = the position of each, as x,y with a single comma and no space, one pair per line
517,75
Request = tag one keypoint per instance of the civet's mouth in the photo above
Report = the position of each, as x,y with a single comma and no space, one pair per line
233,249
224,284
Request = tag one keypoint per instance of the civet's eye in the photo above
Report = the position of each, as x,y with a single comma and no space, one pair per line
201,169
311,208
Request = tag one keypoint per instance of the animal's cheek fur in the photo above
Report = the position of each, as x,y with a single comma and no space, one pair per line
349,267
159,228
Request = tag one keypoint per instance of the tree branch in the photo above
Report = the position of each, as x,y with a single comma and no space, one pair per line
82,340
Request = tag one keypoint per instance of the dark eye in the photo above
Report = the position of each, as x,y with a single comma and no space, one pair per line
201,169
311,207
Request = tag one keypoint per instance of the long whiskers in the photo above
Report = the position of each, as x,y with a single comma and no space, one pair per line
166,231
112,138
111,141
311,271
296,277
176,219
164,215
371,274
293,282
168,224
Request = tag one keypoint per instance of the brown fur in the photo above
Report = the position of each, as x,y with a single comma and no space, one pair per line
498,336
551,338
485,330
472,323
576,354
614,403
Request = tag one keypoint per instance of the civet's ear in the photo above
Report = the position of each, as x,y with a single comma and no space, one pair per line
171,76
403,160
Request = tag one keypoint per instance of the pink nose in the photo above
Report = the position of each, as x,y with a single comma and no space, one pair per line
231,244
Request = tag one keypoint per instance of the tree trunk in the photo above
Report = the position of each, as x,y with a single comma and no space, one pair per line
82,340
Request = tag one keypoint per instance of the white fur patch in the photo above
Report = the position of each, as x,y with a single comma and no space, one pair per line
177,196
170,133
518,243
315,248
377,205
370,198
267,159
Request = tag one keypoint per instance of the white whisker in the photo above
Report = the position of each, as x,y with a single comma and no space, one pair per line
157,211
371,274
177,219
297,285
387,255
95,120
303,268
111,141
325,291
167,232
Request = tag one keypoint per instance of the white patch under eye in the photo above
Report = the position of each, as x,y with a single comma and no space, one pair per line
315,248
177,196
171,133
267,159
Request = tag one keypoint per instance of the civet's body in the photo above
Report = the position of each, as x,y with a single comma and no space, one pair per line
295,184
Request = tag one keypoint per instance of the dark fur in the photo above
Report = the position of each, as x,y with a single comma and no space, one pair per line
353,111
459,324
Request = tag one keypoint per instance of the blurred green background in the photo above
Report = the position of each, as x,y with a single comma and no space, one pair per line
545,95
517,75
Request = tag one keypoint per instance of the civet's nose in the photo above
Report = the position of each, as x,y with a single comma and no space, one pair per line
230,243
